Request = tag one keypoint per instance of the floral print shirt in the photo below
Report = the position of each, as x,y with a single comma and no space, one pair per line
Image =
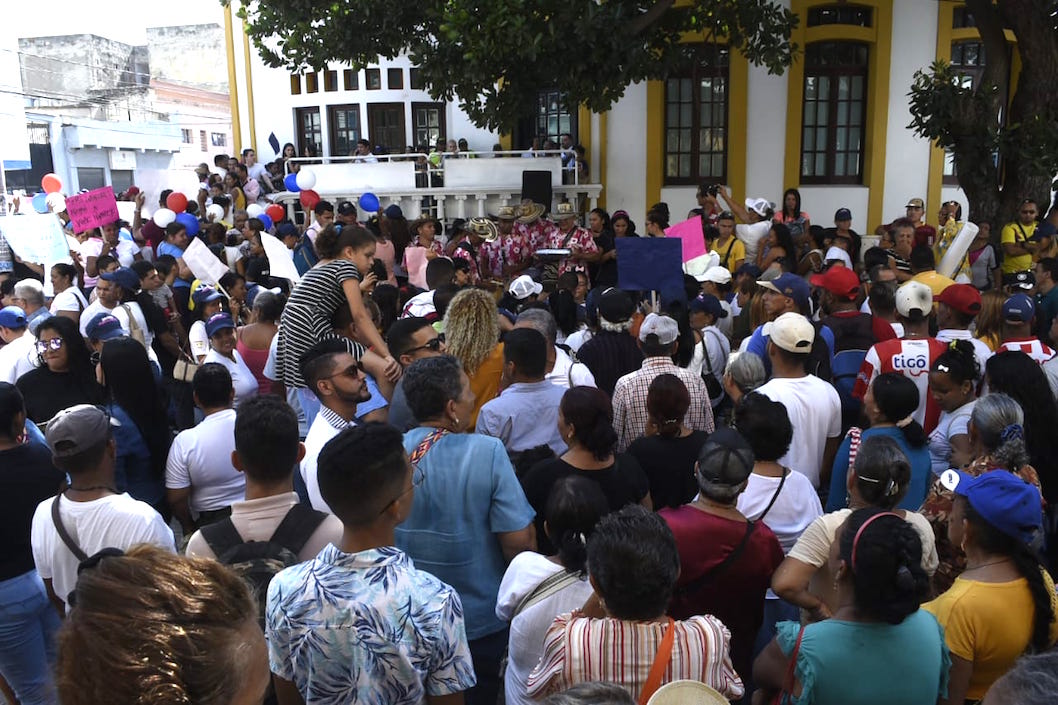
577,239
512,251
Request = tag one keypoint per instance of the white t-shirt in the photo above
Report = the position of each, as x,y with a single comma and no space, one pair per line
114,521
719,348
200,458
578,338
420,305
198,340
89,248
292,394
948,425
815,413
795,508
69,299
981,350
526,641
320,432
242,378
120,312
17,357
751,234
567,373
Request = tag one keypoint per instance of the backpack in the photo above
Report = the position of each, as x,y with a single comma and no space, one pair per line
846,367
258,561
818,362
304,255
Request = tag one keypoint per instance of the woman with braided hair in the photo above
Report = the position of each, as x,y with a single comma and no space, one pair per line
1003,604
877,631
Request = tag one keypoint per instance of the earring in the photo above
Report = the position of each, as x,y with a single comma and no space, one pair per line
456,421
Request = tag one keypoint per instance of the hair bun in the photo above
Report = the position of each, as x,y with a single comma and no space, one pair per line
904,579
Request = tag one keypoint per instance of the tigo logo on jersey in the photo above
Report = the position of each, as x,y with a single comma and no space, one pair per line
913,365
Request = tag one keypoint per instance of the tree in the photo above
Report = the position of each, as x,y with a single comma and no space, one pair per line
975,123
494,56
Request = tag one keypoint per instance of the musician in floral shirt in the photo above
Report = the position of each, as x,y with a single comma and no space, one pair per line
478,233
512,251
568,235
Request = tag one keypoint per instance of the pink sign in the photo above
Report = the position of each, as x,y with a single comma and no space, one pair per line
415,258
92,209
690,232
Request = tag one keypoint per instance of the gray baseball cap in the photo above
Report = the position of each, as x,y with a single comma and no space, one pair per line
76,429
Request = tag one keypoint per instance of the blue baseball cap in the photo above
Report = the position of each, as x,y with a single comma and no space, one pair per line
123,277
1020,308
842,214
204,294
1003,499
218,322
12,317
790,285
707,303
103,326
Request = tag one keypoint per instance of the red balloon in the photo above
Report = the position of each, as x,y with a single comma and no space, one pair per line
51,183
176,202
309,198
276,212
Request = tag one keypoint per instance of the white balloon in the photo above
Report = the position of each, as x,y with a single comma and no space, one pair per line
305,179
253,210
163,216
56,201
216,211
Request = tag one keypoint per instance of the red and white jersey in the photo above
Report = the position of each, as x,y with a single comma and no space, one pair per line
911,357
1030,346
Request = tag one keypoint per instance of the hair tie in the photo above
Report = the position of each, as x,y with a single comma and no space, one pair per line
1012,432
952,345
906,421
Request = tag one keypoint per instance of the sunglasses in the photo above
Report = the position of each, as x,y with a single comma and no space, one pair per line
351,371
434,344
43,346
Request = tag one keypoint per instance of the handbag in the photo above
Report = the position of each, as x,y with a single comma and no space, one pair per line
785,695
185,368
712,384
661,662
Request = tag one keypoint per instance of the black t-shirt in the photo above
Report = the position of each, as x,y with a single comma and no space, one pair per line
46,393
159,325
623,483
605,273
27,478
669,466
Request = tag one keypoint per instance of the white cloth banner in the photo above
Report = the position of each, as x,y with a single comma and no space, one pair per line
280,260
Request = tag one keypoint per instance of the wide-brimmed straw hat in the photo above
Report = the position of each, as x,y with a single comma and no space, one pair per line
530,212
564,211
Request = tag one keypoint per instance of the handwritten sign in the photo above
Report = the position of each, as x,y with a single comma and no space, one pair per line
690,234
203,263
650,264
93,209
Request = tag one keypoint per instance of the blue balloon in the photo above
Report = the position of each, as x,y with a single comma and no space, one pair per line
40,202
265,220
188,221
369,202
291,182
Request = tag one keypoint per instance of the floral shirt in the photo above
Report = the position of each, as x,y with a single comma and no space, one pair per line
366,627
514,250
465,251
936,508
577,239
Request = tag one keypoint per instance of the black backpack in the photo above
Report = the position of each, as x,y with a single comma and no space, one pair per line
258,561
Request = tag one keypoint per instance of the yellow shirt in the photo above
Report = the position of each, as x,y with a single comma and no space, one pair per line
1012,233
988,624
935,281
485,381
738,253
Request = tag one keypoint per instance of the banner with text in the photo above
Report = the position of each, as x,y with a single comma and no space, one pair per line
93,209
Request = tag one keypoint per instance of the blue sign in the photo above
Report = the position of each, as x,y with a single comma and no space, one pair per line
650,264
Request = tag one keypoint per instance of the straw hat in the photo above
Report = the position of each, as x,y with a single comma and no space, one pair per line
564,212
483,228
687,692
507,213
530,212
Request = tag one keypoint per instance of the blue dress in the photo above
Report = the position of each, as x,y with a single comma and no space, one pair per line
921,470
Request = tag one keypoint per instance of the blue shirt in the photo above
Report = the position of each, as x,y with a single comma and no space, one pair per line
468,495
758,344
524,416
921,470
168,248
366,627
132,469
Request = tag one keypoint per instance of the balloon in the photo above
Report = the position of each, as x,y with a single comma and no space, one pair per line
369,202
291,183
216,211
305,179
56,202
309,198
163,216
266,221
51,183
188,221
276,212
254,210
40,202
176,202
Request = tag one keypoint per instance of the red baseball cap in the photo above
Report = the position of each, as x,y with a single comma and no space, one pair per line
840,281
961,297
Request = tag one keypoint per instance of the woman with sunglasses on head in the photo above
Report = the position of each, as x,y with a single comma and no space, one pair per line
895,650
65,376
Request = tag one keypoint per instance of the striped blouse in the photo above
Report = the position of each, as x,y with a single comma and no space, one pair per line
579,650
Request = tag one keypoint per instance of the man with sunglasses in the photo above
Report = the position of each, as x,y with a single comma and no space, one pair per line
339,382
1016,240
409,339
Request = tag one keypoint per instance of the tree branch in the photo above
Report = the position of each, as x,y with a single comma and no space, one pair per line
650,16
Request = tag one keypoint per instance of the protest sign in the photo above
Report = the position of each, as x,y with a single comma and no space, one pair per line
690,234
203,263
650,264
416,259
280,262
92,210
38,239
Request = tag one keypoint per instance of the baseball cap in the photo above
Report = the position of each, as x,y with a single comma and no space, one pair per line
748,269
707,303
123,277
914,296
103,326
1020,308
218,322
616,306
915,203
1003,499
523,287
790,285
286,229
346,208
393,211
664,328
205,294
961,297
1024,280
726,458
12,317
791,332
1044,229
840,281
842,214
76,429
717,275
759,206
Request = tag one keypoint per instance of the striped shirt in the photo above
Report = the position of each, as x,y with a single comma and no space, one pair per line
630,400
580,650
1030,346
911,357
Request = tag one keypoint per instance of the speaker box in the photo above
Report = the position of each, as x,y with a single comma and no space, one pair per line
537,186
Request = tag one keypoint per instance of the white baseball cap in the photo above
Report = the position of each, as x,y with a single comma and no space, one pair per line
914,296
791,332
759,206
717,275
523,287
666,329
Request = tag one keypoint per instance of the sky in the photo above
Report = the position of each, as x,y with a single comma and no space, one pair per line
124,21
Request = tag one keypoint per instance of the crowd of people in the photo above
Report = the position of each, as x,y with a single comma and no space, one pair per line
822,472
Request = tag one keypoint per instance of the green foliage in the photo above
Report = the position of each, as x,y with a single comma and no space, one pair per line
493,56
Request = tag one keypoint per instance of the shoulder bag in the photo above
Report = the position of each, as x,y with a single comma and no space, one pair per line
712,384
701,580
661,663
786,695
